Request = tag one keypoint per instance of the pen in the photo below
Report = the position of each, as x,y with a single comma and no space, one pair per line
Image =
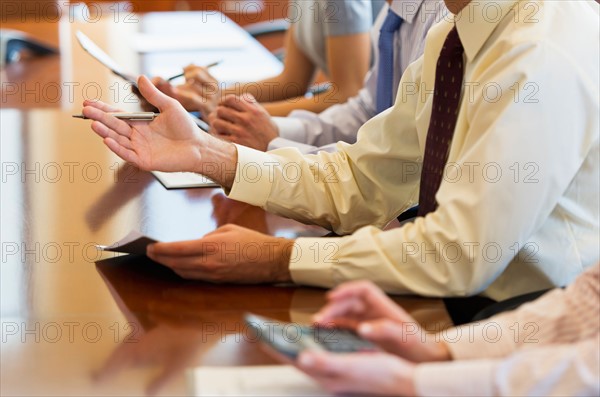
210,65
134,116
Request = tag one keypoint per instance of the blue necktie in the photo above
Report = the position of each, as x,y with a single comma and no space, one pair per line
385,77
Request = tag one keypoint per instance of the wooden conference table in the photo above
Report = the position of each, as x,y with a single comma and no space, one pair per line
76,322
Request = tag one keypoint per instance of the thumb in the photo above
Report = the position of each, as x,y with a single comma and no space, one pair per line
153,94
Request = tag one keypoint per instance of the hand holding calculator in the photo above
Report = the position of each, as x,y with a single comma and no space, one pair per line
291,339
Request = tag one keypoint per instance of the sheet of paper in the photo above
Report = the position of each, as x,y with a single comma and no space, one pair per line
272,380
183,180
88,45
134,243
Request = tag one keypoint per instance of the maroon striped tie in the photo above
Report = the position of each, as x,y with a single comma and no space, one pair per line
446,98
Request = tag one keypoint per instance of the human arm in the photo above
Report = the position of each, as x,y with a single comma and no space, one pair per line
452,240
556,334
345,78
230,254
344,27
293,81
242,120
566,363
554,370
171,142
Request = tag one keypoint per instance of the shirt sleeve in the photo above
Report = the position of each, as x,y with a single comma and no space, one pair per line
340,122
553,370
346,17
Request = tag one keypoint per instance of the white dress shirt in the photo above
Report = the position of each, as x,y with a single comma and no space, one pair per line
309,131
518,207
549,347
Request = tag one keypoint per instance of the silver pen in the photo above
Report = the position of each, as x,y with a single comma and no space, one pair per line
131,116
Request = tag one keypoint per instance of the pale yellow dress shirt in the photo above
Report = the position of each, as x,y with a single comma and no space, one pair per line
519,204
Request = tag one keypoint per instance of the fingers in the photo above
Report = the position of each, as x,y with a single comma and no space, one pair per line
212,117
178,248
122,152
229,114
113,123
222,128
334,311
153,94
321,364
241,103
101,105
361,300
385,331
198,74
355,288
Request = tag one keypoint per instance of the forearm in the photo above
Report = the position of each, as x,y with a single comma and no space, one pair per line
320,189
315,104
274,89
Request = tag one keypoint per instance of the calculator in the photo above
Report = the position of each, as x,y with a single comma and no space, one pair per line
291,339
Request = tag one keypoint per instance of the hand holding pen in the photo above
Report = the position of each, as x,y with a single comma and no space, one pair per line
210,65
130,116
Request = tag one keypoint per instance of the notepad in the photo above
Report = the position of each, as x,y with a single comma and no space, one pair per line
183,180
134,243
270,380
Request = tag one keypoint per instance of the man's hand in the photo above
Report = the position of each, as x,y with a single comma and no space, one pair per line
360,373
203,87
244,121
171,142
230,254
361,306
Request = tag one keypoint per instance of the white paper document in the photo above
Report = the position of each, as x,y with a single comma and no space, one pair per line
97,53
271,380
183,180
134,243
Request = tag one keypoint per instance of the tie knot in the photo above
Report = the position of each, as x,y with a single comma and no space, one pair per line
392,22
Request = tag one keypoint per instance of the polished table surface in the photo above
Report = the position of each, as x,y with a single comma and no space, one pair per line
79,322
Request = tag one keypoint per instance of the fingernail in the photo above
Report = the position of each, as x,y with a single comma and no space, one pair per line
365,329
150,249
306,360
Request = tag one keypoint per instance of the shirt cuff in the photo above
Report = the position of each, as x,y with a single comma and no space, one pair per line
456,378
279,143
290,128
254,176
312,261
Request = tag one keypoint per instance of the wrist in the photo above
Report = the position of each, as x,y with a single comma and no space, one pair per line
218,161
406,380
282,259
